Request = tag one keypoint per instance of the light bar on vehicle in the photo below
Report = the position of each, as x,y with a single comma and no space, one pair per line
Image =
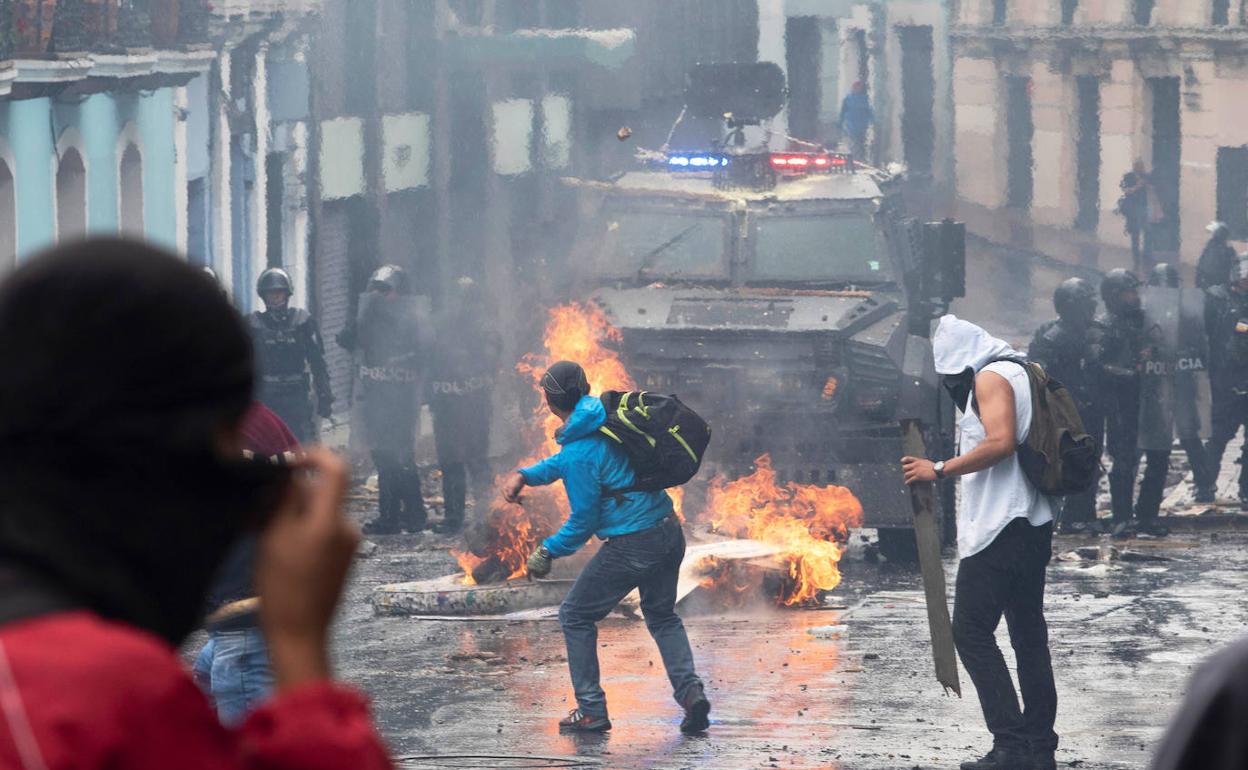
696,161
804,162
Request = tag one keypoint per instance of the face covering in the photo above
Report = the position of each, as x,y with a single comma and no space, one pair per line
959,386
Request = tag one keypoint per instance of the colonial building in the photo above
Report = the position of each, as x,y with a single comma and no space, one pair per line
175,121
898,50
1056,100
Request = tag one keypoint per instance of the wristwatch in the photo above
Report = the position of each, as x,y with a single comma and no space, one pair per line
939,469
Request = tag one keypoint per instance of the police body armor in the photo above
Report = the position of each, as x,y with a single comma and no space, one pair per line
1228,332
1068,355
282,351
1174,377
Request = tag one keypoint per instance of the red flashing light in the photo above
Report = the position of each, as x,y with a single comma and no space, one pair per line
800,162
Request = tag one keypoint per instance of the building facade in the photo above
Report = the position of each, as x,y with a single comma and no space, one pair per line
154,119
1055,100
898,50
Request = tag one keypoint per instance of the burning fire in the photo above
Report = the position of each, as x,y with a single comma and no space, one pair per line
829,389
574,332
810,523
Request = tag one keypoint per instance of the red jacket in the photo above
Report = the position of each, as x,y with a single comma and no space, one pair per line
265,434
81,693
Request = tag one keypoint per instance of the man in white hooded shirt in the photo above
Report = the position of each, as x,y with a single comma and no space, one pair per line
1005,531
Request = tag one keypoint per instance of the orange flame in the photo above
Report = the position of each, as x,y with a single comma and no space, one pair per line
810,523
574,332
829,389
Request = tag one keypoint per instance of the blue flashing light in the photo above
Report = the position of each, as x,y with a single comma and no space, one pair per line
697,161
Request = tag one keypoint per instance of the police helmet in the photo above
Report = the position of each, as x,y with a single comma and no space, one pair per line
1164,274
1218,230
389,278
274,279
1074,295
1117,281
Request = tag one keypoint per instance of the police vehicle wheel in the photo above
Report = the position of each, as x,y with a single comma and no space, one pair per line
898,545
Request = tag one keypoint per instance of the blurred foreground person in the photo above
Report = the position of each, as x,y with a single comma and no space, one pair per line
1068,349
644,545
291,358
388,333
1005,536
233,666
1226,317
461,396
121,490
1207,731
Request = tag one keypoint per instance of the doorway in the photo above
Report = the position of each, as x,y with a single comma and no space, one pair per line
1088,153
1019,129
918,98
1167,146
802,54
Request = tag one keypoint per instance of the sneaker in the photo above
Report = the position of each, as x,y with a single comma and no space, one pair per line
1000,759
578,721
697,707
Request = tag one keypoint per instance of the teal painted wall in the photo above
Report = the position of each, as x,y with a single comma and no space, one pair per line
156,124
28,129
32,127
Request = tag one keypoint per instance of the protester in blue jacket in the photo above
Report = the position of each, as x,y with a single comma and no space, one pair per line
643,549
856,118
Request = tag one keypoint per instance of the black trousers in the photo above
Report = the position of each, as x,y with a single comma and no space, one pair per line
1157,467
1007,579
1122,428
399,496
455,475
1229,413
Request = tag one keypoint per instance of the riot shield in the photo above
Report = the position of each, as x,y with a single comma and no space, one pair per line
388,336
1174,381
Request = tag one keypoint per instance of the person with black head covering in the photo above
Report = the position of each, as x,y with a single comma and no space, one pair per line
1218,262
122,486
643,550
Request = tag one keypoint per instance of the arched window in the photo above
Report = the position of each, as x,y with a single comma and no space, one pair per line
8,220
71,196
130,176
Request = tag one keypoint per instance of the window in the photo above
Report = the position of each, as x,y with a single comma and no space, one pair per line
652,244
130,177
1221,12
1232,192
71,196
1068,11
999,11
842,249
1142,12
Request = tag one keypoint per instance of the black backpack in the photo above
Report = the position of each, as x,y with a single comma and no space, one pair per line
1059,457
664,440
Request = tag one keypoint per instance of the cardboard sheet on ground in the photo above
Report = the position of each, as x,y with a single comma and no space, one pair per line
693,567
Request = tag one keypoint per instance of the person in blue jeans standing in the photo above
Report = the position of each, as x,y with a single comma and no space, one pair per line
643,549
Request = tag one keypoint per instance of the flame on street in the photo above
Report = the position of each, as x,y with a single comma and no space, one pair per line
574,332
810,523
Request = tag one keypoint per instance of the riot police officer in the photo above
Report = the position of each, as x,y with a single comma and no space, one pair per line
1226,314
1218,261
1168,372
387,332
1067,348
291,358
461,386
1118,370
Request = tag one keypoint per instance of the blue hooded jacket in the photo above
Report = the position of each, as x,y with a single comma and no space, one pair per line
589,462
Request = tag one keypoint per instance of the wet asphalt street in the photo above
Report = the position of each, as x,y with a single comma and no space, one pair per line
839,688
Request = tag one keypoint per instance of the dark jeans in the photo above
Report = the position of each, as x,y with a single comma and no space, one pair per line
455,477
1122,442
1007,578
233,669
399,497
647,560
1230,412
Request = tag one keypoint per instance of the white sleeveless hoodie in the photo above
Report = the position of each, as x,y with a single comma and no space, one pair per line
995,496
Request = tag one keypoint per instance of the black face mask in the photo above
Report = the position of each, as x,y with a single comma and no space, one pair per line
959,386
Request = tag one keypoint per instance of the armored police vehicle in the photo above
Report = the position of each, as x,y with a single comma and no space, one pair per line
786,297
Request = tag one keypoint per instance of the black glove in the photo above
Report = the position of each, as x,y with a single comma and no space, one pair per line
540,562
